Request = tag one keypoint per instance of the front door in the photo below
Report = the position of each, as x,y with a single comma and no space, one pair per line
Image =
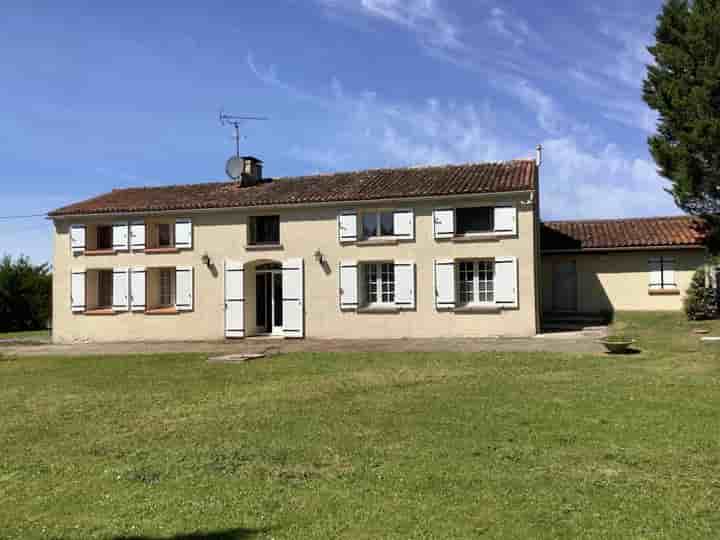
268,302
565,287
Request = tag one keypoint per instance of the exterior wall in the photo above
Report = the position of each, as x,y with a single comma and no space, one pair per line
611,281
223,235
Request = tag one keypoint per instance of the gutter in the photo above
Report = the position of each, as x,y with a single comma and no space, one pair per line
616,249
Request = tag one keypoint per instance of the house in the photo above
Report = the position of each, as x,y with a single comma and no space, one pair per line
445,251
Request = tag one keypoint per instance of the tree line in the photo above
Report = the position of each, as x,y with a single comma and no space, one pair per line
25,295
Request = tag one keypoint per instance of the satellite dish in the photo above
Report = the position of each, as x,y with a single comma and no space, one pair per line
234,167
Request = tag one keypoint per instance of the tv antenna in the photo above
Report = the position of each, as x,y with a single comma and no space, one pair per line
235,121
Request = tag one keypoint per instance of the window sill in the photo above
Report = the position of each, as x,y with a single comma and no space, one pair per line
171,310
489,308
482,237
264,247
162,250
379,241
100,311
91,252
663,292
379,309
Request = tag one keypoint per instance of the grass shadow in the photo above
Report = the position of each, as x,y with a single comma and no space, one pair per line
227,534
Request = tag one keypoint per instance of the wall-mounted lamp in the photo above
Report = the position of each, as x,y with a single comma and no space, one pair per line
319,257
206,260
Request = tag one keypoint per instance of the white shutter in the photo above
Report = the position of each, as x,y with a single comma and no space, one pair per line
121,296
655,269
506,219
348,285
405,284
120,236
77,238
184,288
183,233
137,288
292,298
444,222
445,284
404,224
77,290
668,266
506,283
234,299
347,226
137,235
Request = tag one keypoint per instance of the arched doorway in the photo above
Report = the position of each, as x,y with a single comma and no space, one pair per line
268,299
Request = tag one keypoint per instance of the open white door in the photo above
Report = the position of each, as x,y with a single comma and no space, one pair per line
234,299
293,298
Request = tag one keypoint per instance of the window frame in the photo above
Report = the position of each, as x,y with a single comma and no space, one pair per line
170,275
663,286
170,235
383,284
456,225
377,214
480,296
253,230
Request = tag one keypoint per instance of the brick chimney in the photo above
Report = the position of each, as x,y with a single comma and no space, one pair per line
252,171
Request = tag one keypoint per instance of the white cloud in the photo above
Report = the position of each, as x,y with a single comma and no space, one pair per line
548,116
512,28
424,17
581,177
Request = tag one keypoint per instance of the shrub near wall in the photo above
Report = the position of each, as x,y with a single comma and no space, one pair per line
701,300
24,295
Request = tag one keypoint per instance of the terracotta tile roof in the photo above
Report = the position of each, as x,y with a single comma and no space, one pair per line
622,233
338,187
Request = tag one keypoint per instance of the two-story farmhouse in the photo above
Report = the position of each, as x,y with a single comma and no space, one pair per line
386,253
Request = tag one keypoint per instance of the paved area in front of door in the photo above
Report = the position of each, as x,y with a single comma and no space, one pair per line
561,342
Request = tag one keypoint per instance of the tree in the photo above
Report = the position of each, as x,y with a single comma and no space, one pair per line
683,86
25,292
701,300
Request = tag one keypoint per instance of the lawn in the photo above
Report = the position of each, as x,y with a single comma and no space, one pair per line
42,335
489,445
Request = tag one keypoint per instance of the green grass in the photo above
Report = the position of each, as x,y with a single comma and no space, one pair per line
367,445
33,334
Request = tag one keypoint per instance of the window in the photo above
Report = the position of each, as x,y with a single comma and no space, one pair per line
474,220
378,224
164,235
104,237
476,282
662,273
265,230
166,296
105,288
379,283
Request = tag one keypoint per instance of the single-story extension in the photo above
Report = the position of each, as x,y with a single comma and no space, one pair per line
451,251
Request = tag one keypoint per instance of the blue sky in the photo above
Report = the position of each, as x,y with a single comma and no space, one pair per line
95,96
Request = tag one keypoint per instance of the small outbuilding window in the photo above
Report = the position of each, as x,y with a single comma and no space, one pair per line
662,273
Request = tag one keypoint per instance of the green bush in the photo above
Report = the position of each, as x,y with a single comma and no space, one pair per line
24,295
701,300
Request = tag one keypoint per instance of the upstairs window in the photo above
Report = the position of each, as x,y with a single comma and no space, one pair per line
479,219
379,281
164,232
376,224
104,237
264,230
475,282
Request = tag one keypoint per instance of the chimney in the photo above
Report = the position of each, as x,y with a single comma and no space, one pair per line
251,171
538,155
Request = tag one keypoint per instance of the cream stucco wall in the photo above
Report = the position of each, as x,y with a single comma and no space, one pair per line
222,235
610,281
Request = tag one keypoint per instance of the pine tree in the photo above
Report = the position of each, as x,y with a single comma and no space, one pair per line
683,86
